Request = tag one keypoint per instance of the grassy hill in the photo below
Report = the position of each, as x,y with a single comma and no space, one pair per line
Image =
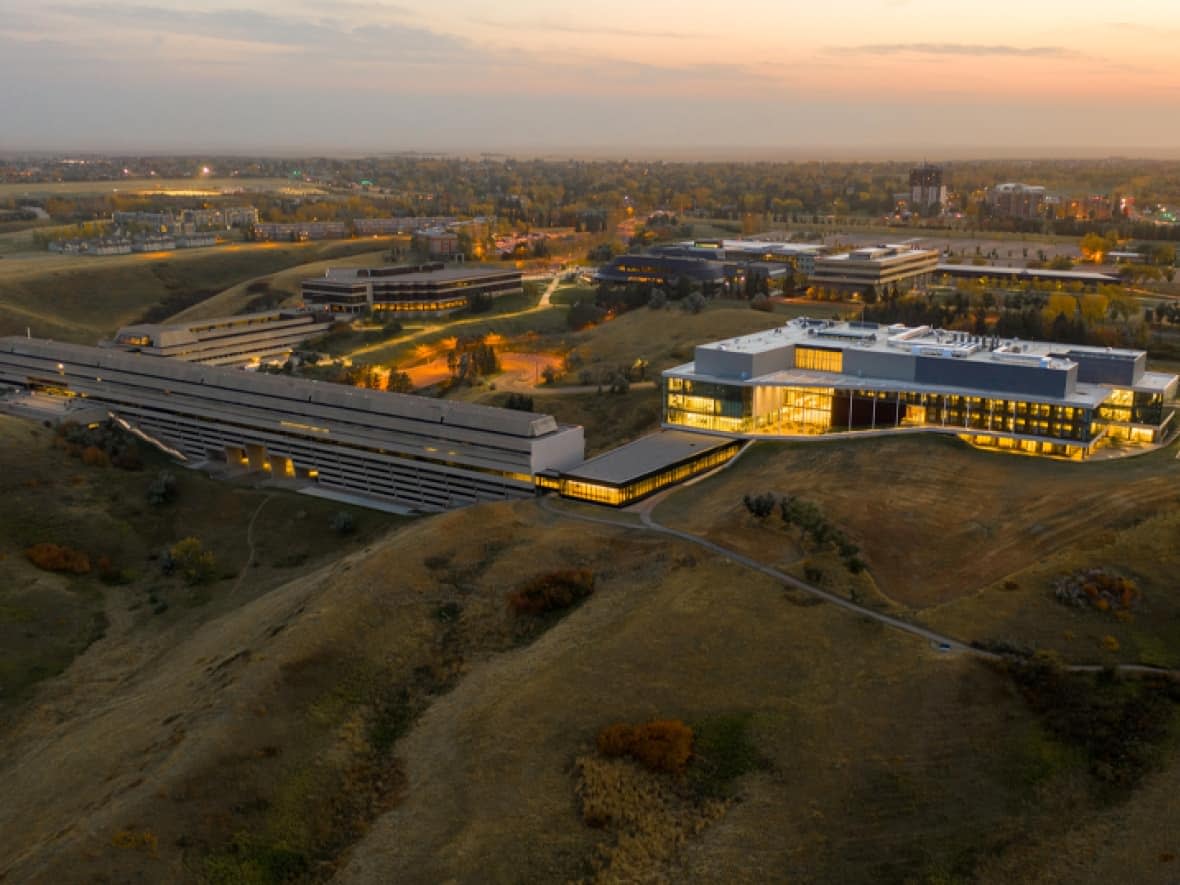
970,541
387,717
80,299
257,536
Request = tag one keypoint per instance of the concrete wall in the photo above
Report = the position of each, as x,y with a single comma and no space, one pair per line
743,364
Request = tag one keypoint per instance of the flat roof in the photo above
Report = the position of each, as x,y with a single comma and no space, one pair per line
986,270
646,455
919,340
233,386
444,274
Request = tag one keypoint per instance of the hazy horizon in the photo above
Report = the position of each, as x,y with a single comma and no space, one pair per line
891,79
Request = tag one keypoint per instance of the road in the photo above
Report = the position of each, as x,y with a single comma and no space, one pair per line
435,328
647,522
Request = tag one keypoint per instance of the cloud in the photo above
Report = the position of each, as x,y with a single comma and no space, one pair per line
322,37
563,28
957,49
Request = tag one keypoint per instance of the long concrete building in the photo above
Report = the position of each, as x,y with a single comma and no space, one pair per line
226,341
813,377
424,454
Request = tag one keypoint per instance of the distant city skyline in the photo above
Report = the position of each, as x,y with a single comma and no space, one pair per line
764,80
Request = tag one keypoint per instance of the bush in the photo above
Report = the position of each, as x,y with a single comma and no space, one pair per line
584,314
520,402
58,558
162,489
661,745
93,456
552,591
342,523
195,564
1097,588
100,445
760,506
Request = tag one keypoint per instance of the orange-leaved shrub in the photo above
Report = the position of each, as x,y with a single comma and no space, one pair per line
551,591
659,745
56,558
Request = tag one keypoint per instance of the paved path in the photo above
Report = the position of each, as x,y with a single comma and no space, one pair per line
434,328
646,522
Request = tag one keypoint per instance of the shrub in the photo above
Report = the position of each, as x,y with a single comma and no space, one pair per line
760,506
93,456
661,745
552,591
342,523
1097,588
58,558
520,402
162,489
195,564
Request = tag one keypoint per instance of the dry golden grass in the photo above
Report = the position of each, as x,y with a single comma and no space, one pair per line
384,719
936,520
649,819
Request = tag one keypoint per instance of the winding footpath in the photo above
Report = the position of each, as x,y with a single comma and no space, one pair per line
249,546
435,328
942,642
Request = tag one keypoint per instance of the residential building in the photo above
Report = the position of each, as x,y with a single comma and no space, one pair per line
196,240
1014,200
417,452
226,341
437,245
429,288
296,231
927,190
821,377
153,243
398,225
873,270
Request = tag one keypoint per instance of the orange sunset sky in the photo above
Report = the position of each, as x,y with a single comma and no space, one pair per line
688,78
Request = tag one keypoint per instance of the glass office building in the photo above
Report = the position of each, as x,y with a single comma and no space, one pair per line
819,377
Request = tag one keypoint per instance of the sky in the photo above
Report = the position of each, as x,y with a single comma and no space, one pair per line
872,79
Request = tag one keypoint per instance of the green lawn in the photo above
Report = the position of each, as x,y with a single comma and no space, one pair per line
82,299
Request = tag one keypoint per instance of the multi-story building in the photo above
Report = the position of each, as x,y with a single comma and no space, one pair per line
295,231
196,240
429,288
927,190
801,256
818,377
369,227
226,341
153,243
661,270
239,216
437,244
1014,200
421,453
875,269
